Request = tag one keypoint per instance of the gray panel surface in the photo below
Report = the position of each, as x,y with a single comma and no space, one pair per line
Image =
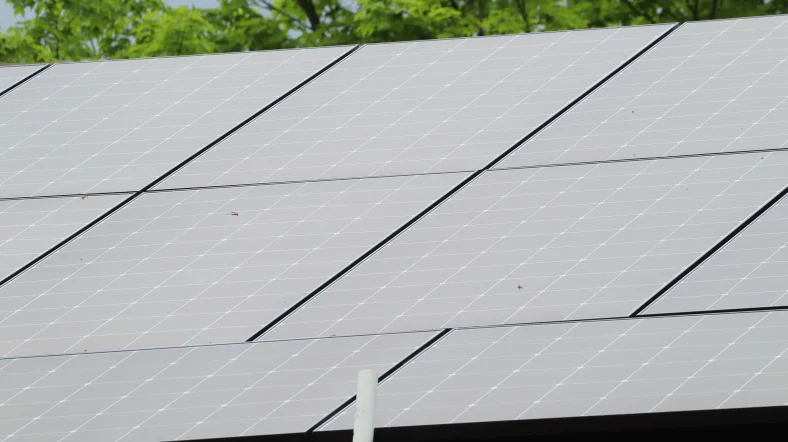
10,75
593,368
708,87
176,268
189,393
749,271
118,125
435,106
29,228
582,241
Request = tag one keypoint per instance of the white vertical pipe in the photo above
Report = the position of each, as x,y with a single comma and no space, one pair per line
364,427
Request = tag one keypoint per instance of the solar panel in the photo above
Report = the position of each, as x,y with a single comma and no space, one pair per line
30,227
203,266
747,272
713,86
593,368
118,125
416,107
553,243
189,393
11,75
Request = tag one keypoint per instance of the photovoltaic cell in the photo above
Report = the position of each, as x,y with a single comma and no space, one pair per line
30,227
11,75
592,368
713,86
553,243
750,271
202,266
435,106
189,393
118,125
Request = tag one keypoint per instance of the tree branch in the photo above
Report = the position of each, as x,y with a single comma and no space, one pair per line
637,11
713,13
292,18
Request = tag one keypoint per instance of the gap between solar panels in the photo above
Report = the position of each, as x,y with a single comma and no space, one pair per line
318,180
183,163
634,160
390,372
24,80
439,334
709,253
70,195
461,185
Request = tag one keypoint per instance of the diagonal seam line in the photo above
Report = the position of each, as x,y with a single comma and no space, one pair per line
709,253
25,80
177,167
387,374
266,328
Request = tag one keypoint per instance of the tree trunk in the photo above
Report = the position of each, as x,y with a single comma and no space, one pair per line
523,7
311,13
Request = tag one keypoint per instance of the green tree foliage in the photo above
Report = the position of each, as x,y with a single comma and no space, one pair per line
179,31
99,29
240,26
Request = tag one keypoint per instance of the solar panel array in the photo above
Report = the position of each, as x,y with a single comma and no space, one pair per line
117,126
547,244
710,87
203,266
408,108
189,392
592,368
504,228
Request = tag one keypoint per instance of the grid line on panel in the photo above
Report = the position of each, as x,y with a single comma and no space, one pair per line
387,374
459,187
709,253
177,167
24,80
